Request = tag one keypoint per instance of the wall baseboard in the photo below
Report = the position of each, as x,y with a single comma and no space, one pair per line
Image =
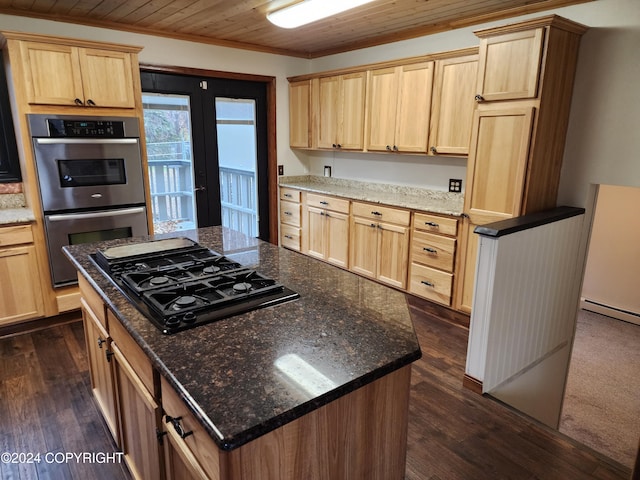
472,384
610,311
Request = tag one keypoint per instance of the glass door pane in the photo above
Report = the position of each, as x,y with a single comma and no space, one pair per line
167,125
237,158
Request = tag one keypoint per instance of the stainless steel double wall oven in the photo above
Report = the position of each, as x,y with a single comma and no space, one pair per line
91,182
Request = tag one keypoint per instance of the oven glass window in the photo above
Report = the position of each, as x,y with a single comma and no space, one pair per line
100,235
89,173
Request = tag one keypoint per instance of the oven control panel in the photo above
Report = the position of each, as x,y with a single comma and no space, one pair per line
85,128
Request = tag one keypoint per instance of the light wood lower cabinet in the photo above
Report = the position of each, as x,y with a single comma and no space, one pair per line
290,218
326,228
139,419
378,248
433,251
99,353
20,295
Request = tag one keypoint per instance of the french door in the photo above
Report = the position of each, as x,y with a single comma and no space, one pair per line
207,152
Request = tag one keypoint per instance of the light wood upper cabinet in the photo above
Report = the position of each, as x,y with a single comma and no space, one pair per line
57,74
340,111
300,114
453,105
399,108
521,52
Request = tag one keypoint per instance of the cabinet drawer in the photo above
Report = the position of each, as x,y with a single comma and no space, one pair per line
290,213
435,224
290,194
377,212
15,235
290,237
132,352
199,443
431,284
329,203
93,300
433,250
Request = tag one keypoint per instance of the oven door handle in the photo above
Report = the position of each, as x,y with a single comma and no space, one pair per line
86,141
106,213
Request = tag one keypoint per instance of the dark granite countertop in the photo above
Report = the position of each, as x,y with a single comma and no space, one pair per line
249,374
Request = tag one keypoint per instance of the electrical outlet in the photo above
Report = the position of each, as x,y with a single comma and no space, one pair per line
455,185
280,169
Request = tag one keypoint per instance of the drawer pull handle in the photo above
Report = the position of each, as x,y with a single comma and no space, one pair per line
430,250
323,203
175,421
287,213
432,224
288,195
428,284
377,214
289,237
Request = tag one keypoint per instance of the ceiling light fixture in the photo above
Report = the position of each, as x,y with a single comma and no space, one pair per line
308,11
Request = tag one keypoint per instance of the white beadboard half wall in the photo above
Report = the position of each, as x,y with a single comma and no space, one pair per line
525,305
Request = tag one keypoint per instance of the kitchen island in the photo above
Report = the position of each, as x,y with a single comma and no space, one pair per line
317,387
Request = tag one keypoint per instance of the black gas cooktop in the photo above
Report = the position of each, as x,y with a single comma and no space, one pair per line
179,284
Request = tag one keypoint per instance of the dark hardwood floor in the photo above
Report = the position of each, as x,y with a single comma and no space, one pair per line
46,406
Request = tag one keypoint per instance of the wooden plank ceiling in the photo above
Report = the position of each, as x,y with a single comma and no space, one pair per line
242,23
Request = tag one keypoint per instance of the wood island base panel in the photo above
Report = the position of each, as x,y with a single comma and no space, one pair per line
315,388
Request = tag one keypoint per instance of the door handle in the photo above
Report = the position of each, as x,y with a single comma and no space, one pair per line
201,188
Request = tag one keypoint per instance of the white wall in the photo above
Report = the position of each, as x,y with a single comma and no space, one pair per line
603,140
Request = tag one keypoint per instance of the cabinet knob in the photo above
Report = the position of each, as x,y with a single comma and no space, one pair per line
100,342
91,103
479,98
388,148
109,354
433,150
372,225
395,148
78,102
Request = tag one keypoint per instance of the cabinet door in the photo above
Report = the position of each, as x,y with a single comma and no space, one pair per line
414,107
383,101
363,246
102,382
496,180
52,74
315,231
328,111
510,65
139,417
453,105
337,249
179,461
497,163
20,294
467,269
107,78
351,126
300,114
393,254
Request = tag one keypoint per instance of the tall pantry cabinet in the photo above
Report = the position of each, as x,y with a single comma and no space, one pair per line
525,81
